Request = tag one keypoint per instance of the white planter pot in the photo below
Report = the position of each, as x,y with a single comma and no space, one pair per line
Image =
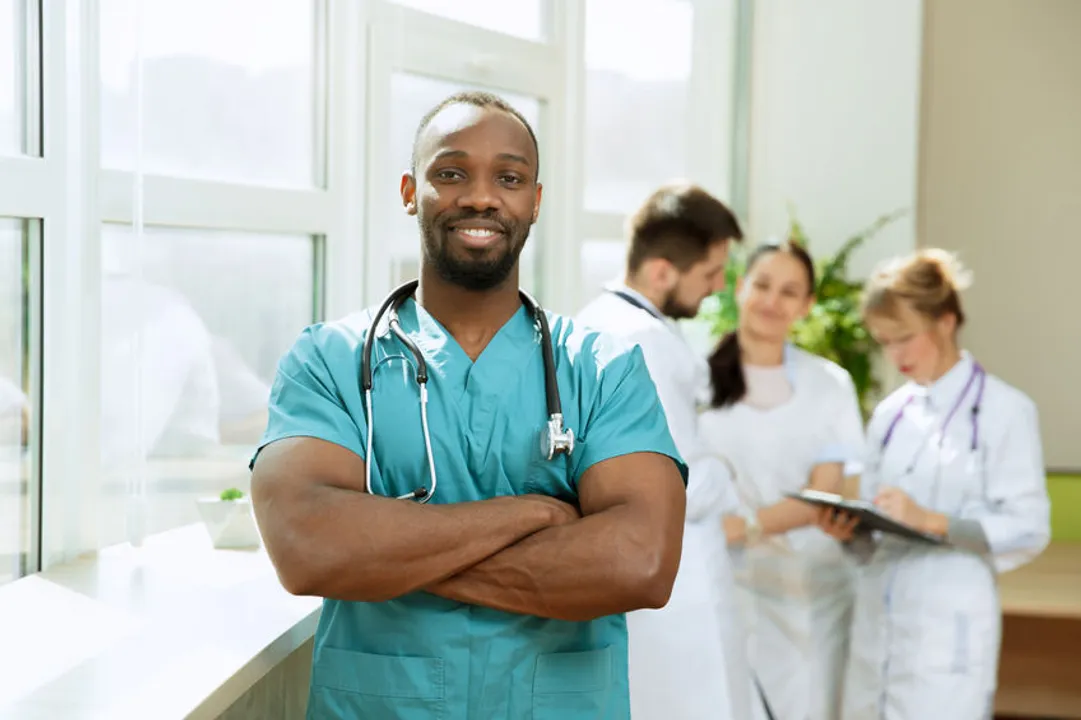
230,523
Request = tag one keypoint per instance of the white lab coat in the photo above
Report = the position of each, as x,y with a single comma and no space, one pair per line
927,622
681,655
796,589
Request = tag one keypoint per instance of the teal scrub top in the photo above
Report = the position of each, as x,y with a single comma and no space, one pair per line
422,656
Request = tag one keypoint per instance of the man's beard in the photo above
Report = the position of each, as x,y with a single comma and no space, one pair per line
676,310
483,271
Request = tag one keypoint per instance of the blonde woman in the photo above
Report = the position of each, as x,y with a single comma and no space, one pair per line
956,453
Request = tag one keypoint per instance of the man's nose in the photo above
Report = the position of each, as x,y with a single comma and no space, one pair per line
480,195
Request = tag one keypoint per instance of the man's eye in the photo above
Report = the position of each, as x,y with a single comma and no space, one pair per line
448,174
510,179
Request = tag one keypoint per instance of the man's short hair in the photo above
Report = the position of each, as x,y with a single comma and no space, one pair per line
478,99
679,222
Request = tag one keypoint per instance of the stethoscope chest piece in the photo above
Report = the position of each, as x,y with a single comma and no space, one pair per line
556,439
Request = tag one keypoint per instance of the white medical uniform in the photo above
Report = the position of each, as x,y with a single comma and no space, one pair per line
795,588
927,623
680,655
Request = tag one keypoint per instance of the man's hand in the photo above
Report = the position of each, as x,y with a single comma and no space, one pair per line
735,529
562,512
621,555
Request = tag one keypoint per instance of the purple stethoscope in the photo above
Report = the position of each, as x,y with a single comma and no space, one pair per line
978,373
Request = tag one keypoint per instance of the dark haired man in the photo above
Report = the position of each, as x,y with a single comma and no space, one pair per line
681,655
496,586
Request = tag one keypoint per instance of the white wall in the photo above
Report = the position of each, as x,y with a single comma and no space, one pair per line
1000,183
834,120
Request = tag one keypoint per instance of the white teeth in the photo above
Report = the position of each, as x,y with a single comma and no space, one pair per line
477,232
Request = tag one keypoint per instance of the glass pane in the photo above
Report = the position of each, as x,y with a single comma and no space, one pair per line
15,404
189,349
638,65
229,89
13,73
603,262
411,97
524,18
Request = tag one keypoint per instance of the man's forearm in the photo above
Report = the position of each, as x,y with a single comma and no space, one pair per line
592,567
346,545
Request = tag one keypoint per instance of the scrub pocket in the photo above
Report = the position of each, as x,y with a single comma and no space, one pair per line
573,686
350,685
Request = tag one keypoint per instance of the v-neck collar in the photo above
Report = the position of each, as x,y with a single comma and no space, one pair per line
516,337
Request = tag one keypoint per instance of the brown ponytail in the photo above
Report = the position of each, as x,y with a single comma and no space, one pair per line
726,372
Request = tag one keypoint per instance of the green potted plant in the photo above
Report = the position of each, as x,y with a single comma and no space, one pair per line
833,329
229,520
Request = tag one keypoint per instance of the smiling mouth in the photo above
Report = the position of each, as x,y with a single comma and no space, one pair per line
474,237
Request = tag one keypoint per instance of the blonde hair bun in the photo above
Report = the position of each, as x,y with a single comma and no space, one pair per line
929,281
946,265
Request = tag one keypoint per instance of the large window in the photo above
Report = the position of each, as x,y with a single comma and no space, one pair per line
658,88
193,325
228,88
186,184
17,411
638,69
14,76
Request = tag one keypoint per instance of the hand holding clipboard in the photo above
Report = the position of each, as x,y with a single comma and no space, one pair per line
868,516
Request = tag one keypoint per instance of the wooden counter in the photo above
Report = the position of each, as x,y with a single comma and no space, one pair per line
1040,666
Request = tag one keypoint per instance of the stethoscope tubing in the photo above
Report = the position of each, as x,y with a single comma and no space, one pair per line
389,307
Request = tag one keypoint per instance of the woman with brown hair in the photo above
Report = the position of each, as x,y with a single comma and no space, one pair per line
785,419
955,453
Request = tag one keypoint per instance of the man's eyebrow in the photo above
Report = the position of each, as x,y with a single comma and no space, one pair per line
515,158
512,157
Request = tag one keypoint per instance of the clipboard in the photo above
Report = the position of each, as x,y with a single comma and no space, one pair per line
870,517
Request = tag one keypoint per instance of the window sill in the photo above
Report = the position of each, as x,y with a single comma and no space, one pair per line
175,629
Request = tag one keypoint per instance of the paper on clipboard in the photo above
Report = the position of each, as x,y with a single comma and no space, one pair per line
869,515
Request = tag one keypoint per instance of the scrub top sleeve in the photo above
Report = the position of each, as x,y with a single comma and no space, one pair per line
626,416
305,402
1014,509
845,439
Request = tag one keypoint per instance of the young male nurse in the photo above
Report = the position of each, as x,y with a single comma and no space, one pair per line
680,655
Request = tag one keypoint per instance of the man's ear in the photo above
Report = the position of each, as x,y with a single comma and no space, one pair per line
537,203
408,191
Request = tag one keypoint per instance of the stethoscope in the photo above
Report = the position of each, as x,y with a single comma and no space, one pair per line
977,378
555,439
632,300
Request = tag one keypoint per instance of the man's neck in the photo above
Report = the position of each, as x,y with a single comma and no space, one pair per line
760,351
472,317
655,297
